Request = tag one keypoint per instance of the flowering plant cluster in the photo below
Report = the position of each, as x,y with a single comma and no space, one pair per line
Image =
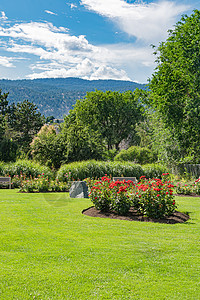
110,195
196,186
153,198
43,184
188,188
68,177
185,188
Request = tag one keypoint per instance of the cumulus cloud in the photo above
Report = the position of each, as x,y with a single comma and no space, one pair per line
6,62
86,69
147,22
57,53
61,54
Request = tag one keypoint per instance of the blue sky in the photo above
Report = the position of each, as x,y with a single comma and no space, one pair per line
90,39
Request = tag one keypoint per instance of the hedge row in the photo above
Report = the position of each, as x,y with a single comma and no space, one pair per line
25,167
81,170
97,169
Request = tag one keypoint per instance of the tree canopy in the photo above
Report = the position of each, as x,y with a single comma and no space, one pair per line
26,121
175,85
18,124
112,114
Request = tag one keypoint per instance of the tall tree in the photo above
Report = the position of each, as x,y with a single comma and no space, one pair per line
175,85
26,121
113,114
48,148
4,109
82,143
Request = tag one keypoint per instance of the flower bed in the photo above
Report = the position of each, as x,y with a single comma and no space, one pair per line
188,188
153,198
43,184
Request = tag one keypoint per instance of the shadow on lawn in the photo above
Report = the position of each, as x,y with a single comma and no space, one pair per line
57,200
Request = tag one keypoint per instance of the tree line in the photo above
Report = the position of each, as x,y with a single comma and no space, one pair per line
165,118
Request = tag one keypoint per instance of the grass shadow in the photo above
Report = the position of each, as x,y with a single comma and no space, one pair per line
57,199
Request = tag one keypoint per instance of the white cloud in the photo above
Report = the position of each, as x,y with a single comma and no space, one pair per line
3,16
73,6
57,53
6,62
50,12
86,70
147,22
60,54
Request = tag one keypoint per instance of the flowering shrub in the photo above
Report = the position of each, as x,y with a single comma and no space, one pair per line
153,198
196,186
185,188
43,184
100,194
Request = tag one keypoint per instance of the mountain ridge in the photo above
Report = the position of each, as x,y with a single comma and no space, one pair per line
56,96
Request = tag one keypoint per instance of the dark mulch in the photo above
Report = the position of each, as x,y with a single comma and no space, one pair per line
177,216
183,195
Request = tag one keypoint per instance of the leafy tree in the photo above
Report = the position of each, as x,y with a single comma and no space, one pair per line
8,150
26,121
82,143
113,114
4,109
175,85
48,148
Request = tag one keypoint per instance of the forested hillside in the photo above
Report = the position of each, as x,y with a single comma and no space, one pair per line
55,96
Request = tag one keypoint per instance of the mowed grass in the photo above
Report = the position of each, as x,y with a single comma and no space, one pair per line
49,250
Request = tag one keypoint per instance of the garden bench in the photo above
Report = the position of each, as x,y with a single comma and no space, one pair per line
125,178
5,180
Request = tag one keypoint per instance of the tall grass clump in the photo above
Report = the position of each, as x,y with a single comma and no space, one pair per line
97,169
154,170
26,167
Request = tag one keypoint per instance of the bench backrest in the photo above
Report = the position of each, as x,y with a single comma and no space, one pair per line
5,179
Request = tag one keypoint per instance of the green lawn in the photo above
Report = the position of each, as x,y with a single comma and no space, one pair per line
49,250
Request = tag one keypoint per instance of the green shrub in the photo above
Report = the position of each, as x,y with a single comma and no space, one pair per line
97,169
154,170
26,167
140,155
109,155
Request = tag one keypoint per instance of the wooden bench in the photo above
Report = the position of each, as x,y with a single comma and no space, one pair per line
5,180
125,178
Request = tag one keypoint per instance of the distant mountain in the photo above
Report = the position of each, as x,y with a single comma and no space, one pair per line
55,96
